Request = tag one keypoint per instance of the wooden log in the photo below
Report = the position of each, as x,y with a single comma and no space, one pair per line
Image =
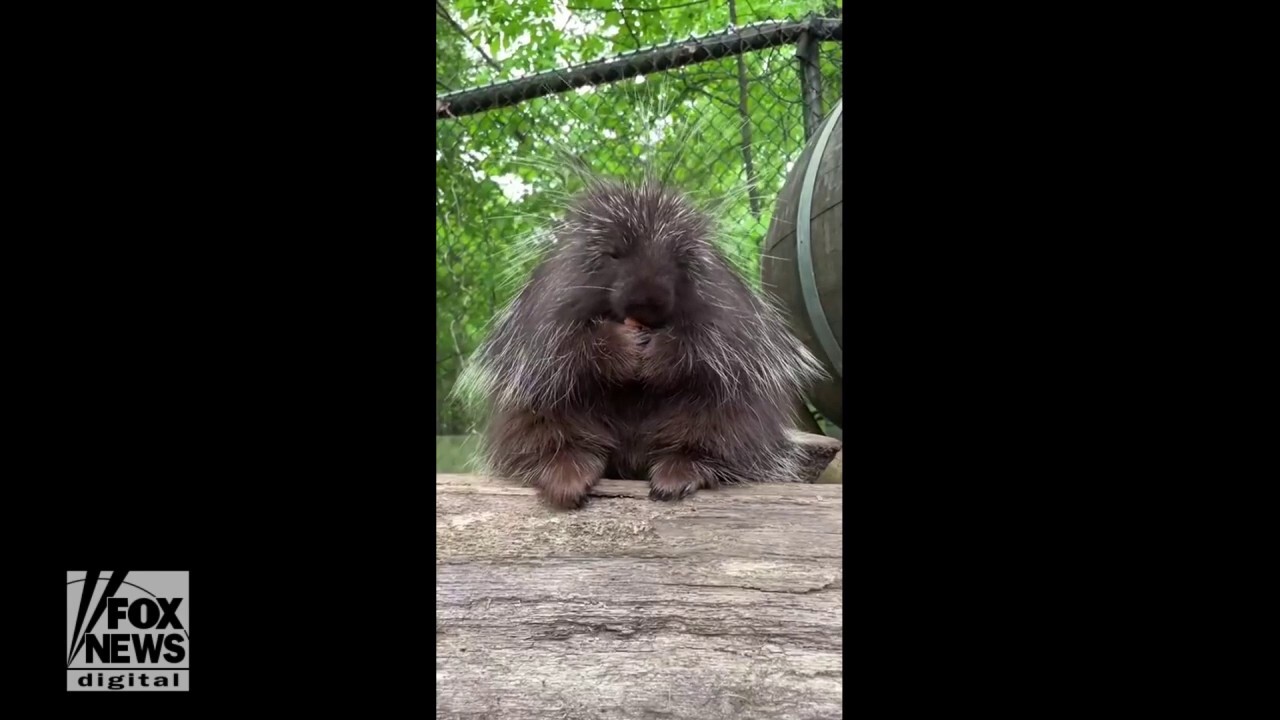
835,470
819,451
724,605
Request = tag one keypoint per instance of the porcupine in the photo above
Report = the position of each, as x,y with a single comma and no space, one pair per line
637,351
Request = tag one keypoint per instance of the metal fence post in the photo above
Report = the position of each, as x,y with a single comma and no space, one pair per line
810,82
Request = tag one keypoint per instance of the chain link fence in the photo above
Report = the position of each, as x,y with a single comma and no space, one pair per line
723,117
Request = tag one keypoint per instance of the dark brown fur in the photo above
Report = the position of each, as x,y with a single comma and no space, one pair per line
701,398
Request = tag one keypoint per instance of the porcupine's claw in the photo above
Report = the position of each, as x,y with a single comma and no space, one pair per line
639,330
676,479
669,493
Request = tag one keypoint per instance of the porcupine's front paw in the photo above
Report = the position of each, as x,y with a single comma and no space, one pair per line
676,477
623,344
565,481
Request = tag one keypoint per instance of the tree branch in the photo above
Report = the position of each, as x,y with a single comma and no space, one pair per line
445,14
617,8
631,31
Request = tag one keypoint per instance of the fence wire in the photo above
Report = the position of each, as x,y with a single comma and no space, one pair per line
725,122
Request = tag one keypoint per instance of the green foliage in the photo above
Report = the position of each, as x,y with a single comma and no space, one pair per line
456,453
686,125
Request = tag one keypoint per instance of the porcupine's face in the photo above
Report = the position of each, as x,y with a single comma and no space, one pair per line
637,250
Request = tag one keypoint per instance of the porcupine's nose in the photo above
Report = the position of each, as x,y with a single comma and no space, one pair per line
648,303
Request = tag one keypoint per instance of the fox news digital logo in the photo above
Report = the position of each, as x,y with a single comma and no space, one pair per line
127,631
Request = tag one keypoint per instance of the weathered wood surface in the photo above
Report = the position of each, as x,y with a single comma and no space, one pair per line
819,451
724,605
834,471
